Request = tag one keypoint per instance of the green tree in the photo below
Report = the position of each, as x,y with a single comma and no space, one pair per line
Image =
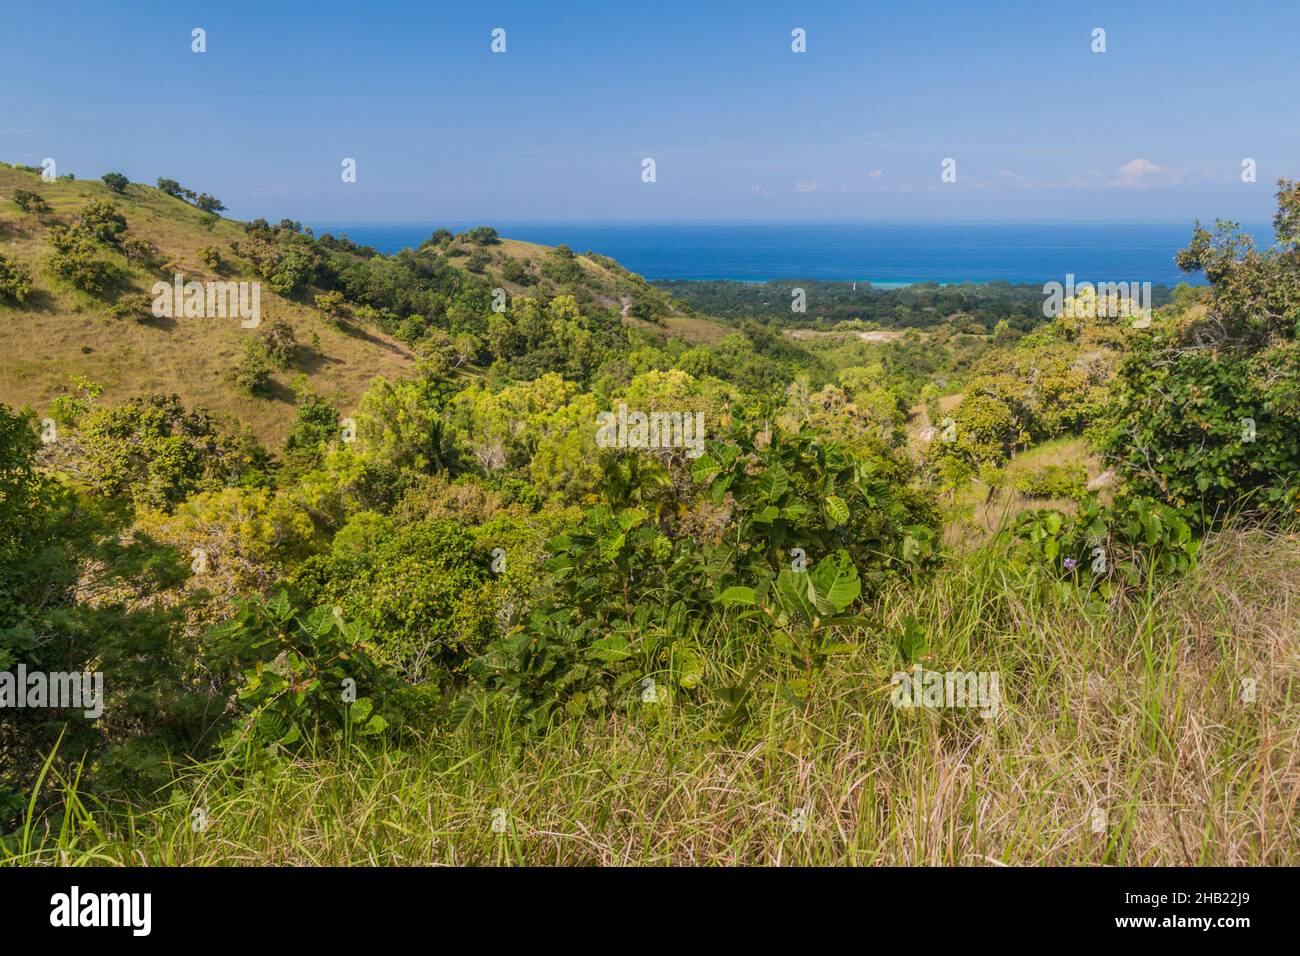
101,221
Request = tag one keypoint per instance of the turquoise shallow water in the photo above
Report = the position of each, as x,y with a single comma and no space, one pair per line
885,253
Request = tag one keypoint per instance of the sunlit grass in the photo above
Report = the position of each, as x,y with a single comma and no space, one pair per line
1135,711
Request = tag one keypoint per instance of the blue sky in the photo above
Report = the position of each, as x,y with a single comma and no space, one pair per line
739,126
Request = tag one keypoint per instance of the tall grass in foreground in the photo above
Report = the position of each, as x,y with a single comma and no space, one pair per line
1124,737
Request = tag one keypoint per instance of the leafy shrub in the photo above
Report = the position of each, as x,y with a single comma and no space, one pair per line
512,270
101,221
421,590
74,261
137,306
332,305
315,425
116,182
800,491
481,236
294,271
252,375
630,591
800,614
67,410
151,451
1204,410
279,343
561,266
15,281
250,535
303,673
30,202
140,250
1053,481
1110,547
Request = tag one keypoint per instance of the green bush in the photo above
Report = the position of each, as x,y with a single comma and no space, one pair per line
15,281
632,590
74,261
1205,410
1053,481
302,673
252,375
155,453
101,221
1108,547
279,343
136,306
421,590
30,202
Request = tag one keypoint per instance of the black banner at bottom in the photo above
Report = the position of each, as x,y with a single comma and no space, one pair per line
337,906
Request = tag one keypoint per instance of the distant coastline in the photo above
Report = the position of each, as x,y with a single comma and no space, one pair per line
888,255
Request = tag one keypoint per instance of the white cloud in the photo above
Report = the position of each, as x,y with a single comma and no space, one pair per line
807,186
875,174
1137,174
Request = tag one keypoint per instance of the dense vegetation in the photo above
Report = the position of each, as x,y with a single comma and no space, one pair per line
975,307
456,564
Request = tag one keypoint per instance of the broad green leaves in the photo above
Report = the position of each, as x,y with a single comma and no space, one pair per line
799,613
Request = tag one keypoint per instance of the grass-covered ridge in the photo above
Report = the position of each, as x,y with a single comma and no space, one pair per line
61,330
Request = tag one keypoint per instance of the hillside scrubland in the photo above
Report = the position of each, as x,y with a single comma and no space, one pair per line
399,576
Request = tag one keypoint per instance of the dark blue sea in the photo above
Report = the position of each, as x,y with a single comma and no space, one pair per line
882,253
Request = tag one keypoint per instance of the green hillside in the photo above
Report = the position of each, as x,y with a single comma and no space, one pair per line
63,332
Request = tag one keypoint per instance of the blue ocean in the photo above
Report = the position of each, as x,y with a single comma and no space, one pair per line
885,254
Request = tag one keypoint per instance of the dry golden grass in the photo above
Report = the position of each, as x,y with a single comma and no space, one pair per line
61,332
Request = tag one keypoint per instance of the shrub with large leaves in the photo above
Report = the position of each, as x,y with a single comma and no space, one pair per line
303,672
803,612
800,496
1110,547
1206,410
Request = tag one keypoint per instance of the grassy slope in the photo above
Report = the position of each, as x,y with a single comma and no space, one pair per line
61,332
1134,710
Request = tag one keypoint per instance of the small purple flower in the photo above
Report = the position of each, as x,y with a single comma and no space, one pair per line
1070,564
